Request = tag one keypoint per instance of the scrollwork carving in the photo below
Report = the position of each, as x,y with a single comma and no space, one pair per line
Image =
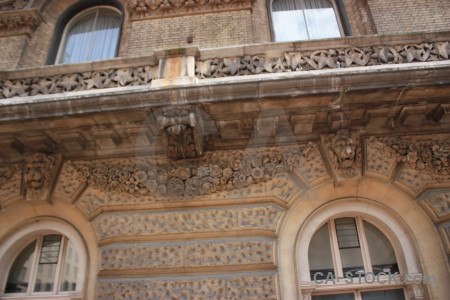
323,59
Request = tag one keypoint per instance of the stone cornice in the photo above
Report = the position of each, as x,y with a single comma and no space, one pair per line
149,9
19,22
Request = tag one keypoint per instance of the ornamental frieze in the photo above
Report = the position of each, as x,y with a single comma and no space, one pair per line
77,82
6,172
323,59
140,9
217,171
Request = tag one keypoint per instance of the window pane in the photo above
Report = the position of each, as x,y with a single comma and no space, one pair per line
385,295
48,260
105,37
289,25
70,270
94,36
319,254
334,297
349,248
321,19
19,275
381,252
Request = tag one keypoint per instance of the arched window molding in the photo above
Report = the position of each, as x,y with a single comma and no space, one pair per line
400,240
292,20
11,247
71,14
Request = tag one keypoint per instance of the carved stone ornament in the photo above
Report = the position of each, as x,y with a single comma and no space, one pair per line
6,172
157,8
77,82
323,59
430,155
39,172
440,203
416,290
21,22
344,152
7,5
183,131
217,171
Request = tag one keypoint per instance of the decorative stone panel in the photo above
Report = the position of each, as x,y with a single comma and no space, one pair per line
20,22
8,5
187,221
212,287
323,59
425,159
77,82
379,158
440,203
68,182
210,253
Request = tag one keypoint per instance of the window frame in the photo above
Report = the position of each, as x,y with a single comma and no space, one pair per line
11,247
79,16
70,13
339,11
341,287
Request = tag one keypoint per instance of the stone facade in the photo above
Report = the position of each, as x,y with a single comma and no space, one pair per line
202,171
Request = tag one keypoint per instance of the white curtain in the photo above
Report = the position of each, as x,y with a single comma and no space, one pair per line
93,37
304,20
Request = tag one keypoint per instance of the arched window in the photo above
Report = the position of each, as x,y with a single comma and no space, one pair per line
352,251
47,265
304,20
42,263
91,35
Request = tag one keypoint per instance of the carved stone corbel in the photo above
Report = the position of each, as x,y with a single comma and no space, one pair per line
415,287
183,131
39,176
344,154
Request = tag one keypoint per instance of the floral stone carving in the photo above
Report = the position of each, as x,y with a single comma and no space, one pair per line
344,153
6,172
217,171
323,59
40,171
21,22
440,204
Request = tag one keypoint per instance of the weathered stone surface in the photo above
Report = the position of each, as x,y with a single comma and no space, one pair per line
311,165
187,221
243,287
379,159
440,203
208,253
68,182
10,183
40,171
323,59
7,5
21,22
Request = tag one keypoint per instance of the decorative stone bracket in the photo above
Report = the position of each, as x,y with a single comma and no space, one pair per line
40,175
183,131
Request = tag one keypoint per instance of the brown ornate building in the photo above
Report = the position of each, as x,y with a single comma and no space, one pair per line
225,149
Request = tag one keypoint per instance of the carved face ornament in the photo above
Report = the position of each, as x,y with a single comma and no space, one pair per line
344,146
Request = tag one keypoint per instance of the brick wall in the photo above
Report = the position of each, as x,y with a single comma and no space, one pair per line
209,31
11,50
402,16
